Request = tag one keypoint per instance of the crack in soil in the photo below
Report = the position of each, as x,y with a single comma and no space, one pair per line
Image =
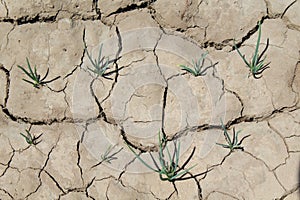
7,74
287,8
6,192
32,19
9,162
250,33
5,6
117,69
78,160
41,170
287,193
131,7
263,117
96,9
56,183
165,93
239,98
265,164
134,189
291,85
87,187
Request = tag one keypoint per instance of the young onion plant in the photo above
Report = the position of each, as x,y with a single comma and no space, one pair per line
233,143
197,69
36,79
257,64
32,140
100,65
168,169
108,155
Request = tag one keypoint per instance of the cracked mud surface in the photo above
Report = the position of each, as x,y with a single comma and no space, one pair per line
81,115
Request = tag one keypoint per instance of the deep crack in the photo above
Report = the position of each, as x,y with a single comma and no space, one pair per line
133,6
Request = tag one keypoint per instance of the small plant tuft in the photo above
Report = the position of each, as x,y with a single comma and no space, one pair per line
101,64
256,65
197,69
32,140
169,170
36,79
233,143
108,156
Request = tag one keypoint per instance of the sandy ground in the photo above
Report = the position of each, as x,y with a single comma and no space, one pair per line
80,115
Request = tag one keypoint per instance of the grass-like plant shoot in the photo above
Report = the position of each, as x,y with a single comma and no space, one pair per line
233,143
108,155
32,140
100,65
197,69
168,169
36,79
256,65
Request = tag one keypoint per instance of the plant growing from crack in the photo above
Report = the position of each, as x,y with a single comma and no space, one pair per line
256,65
31,139
108,155
36,79
168,170
101,64
197,69
233,143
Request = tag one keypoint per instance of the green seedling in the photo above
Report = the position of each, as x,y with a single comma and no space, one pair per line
101,64
108,155
256,65
36,79
31,139
168,170
233,143
197,69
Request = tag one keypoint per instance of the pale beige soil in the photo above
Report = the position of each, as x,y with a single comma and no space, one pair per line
81,115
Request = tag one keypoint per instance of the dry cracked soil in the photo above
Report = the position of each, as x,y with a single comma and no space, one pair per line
82,124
